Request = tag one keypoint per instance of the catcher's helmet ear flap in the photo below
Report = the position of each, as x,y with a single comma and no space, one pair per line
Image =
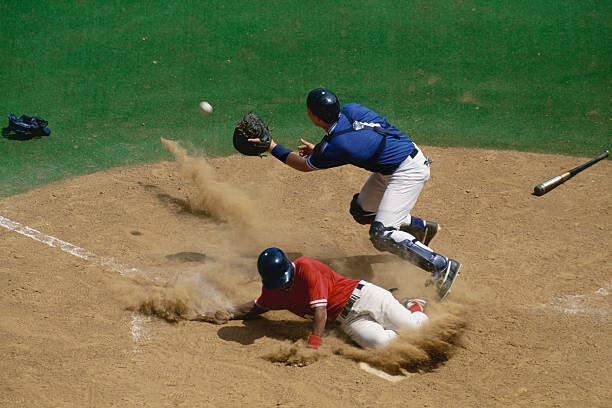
275,268
323,104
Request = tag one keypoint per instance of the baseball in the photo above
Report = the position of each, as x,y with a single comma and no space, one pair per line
205,108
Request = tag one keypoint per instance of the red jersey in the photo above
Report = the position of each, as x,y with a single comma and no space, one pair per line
315,285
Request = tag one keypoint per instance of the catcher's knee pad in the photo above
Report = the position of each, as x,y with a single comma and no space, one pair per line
389,239
359,214
380,236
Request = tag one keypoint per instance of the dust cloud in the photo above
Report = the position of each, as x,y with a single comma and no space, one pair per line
411,351
230,279
295,354
208,288
228,276
171,303
416,350
220,200
213,289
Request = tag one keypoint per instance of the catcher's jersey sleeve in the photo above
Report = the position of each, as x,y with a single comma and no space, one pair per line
315,285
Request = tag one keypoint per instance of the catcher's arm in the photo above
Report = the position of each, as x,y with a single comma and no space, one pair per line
293,159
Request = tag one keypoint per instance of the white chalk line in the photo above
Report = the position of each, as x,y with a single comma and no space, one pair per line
581,303
139,334
106,262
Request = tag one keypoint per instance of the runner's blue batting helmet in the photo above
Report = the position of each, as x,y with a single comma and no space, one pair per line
323,104
275,268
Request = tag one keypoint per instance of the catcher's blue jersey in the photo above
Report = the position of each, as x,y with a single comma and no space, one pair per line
378,146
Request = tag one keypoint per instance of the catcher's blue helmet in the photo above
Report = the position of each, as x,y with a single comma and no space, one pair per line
275,268
323,104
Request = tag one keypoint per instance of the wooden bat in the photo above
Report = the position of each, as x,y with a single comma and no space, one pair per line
548,185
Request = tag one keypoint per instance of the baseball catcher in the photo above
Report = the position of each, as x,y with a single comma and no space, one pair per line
251,135
356,135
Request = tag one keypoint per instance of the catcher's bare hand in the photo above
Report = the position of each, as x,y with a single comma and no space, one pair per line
305,149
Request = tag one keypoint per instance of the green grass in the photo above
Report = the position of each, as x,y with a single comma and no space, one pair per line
523,75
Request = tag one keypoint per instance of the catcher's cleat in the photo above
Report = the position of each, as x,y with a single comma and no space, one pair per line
423,235
415,305
445,278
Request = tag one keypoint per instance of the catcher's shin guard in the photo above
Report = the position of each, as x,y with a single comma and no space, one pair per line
407,247
444,270
423,233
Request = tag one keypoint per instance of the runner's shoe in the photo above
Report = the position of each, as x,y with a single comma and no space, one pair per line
415,305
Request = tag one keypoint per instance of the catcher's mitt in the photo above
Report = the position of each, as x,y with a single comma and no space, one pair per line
250,126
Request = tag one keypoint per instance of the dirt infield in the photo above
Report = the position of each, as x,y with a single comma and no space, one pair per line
96,319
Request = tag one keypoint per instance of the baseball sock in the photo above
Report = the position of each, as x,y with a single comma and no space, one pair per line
417,222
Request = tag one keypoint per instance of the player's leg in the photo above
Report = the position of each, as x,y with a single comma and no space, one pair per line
376,317
406,185
387,310
400,196
367,332
444,270
423,230
395,316
365,203
402,192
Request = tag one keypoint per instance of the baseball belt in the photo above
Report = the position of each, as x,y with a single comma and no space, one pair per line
352,299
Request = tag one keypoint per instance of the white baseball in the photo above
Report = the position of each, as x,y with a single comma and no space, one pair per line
205,108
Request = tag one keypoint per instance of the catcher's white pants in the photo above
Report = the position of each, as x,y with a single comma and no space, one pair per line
392,197
376,317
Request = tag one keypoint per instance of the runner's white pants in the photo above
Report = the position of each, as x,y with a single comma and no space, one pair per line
392,197
376,317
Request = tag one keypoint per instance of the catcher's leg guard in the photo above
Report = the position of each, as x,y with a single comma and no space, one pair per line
407,247
444,270
359,214
422,230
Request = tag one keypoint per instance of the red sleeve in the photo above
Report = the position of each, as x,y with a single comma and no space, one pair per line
318,281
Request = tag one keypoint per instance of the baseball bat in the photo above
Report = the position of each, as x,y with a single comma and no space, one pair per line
548,185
